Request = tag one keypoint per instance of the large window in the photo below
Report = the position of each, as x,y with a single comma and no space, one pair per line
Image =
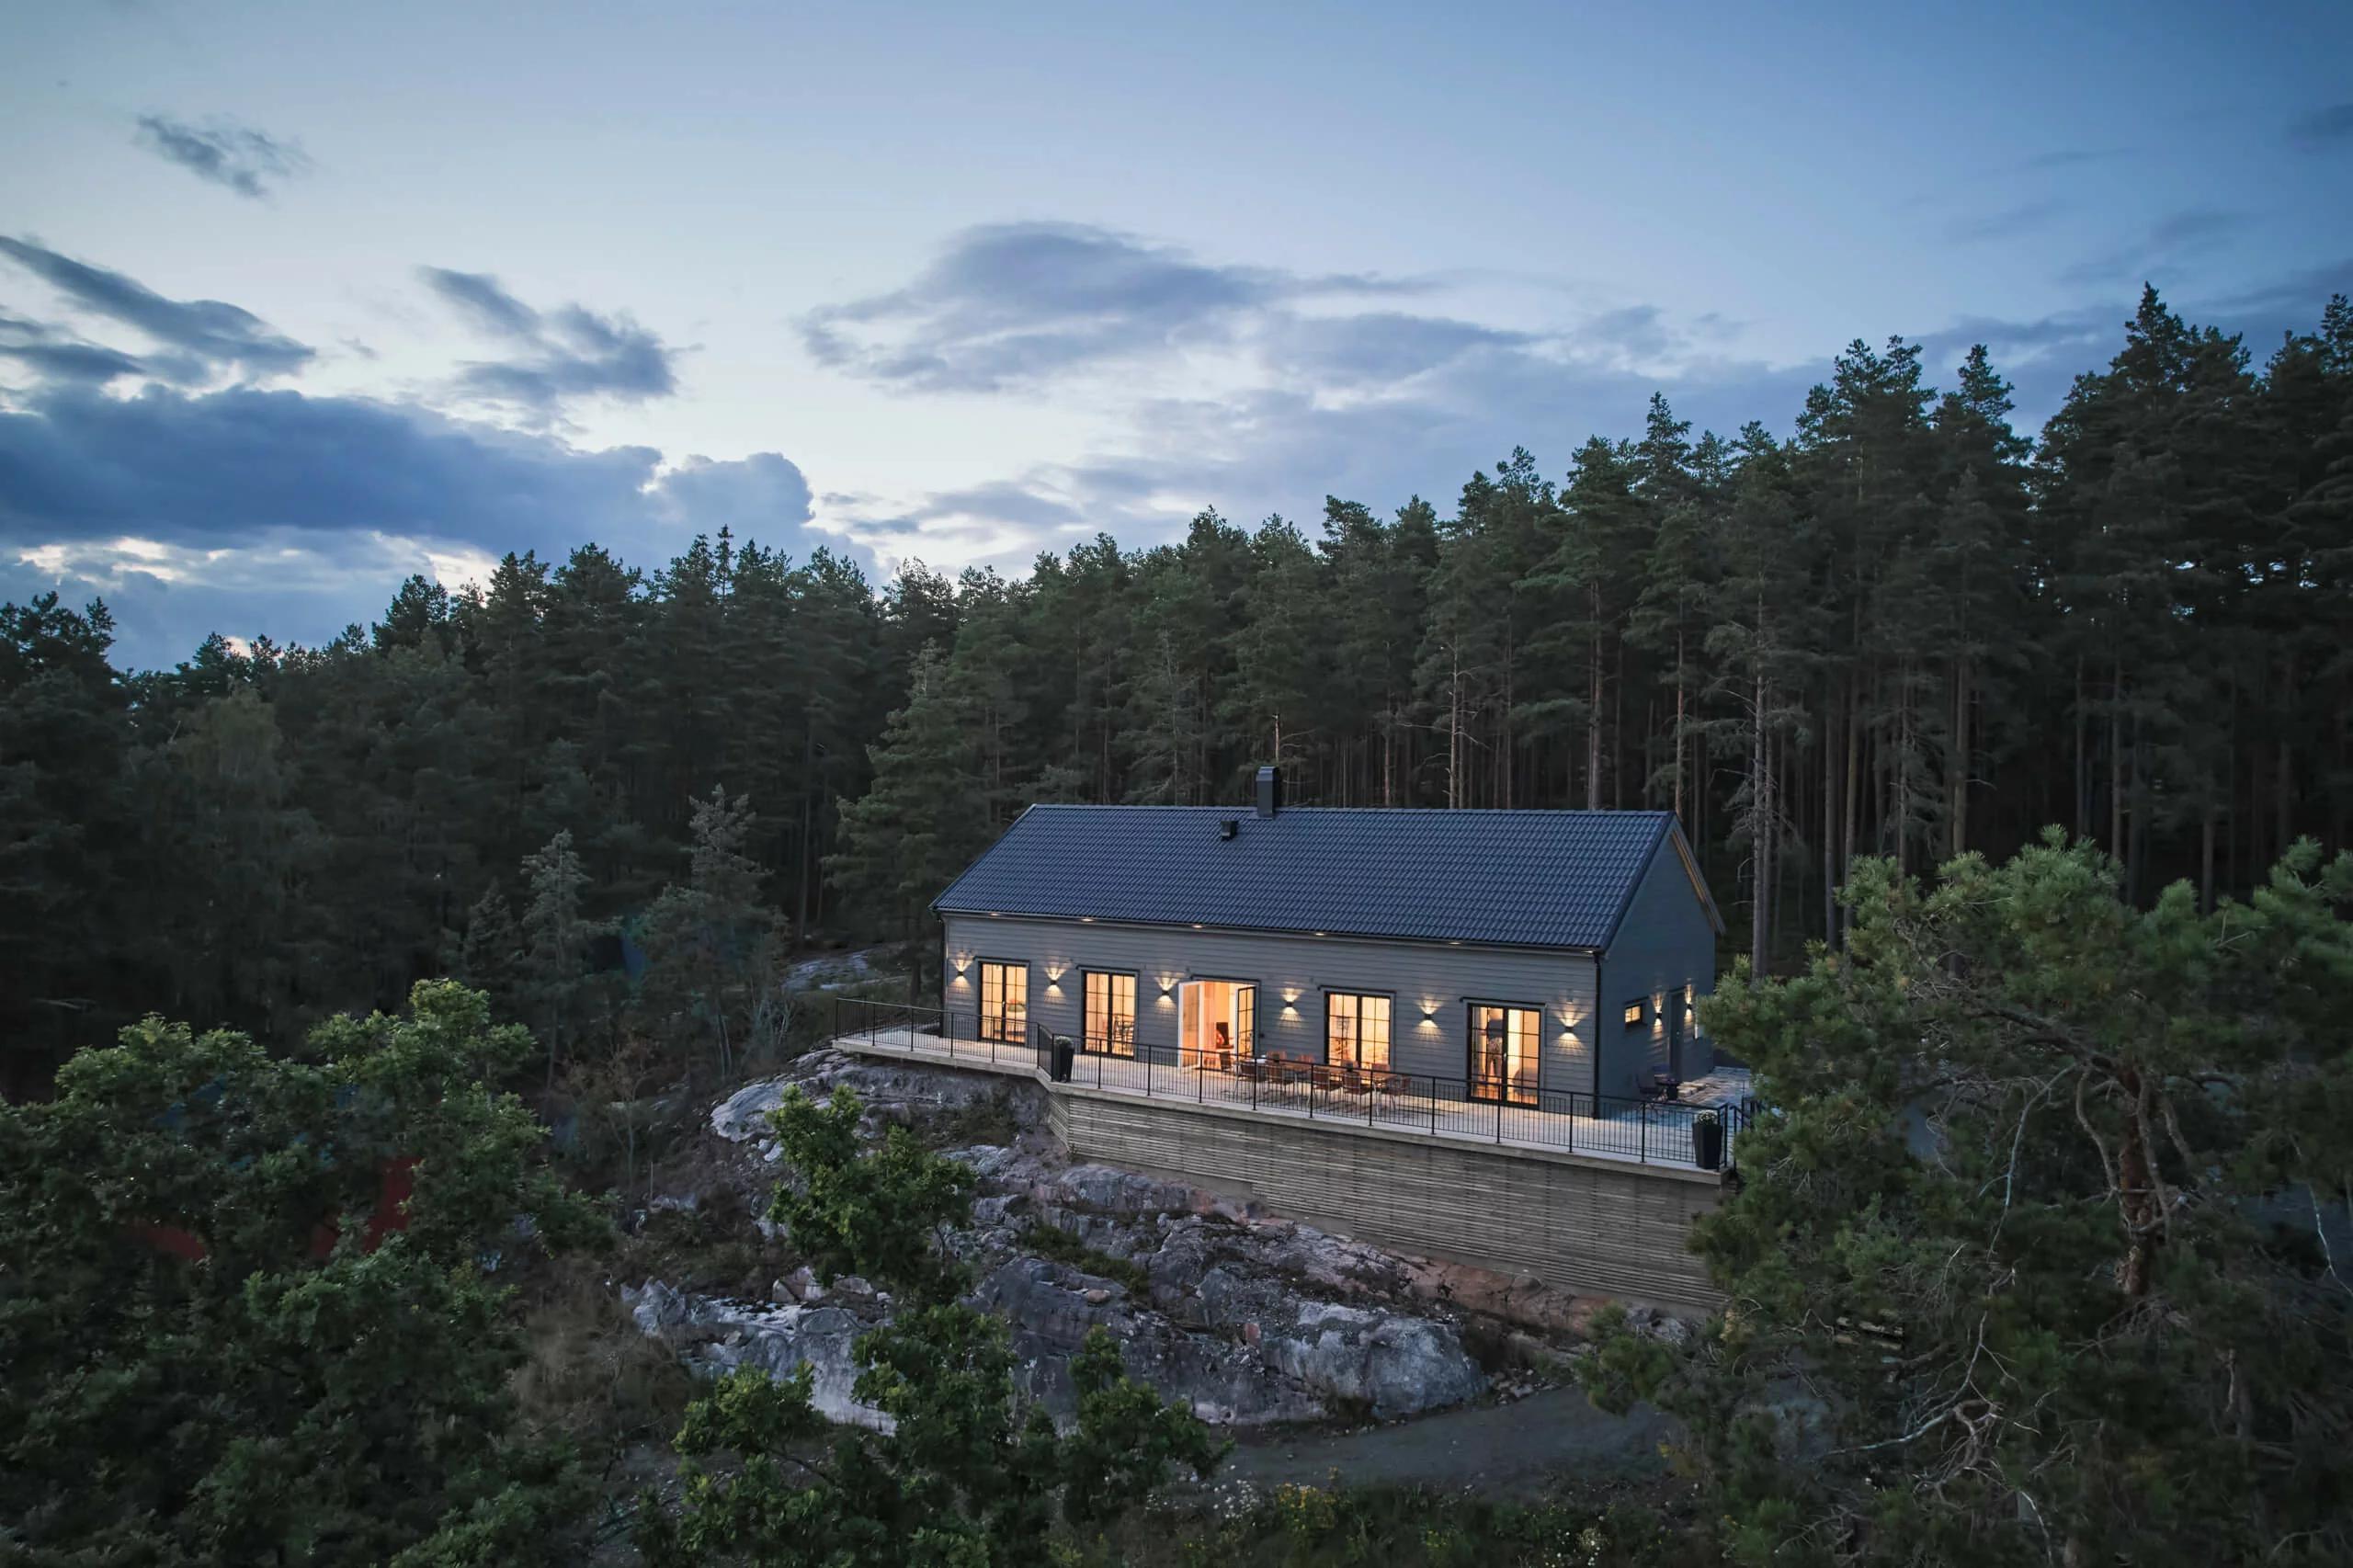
1356,1029
1004,1001
1110,1019
1503,1045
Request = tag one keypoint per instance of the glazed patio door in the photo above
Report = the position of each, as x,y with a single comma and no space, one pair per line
1202,1007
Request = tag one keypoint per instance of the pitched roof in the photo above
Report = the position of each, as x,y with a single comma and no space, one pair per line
1519,878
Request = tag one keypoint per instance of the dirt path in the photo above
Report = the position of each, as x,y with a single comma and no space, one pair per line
1504,1450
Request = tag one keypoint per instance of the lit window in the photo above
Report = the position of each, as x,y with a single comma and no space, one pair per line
1356,1029
1004,1001
1633,1014
1503,1044
1110,1019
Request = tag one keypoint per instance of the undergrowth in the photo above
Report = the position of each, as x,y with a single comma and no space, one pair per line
1054,1242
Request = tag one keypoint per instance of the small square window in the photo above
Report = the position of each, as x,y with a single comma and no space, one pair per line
1633,1014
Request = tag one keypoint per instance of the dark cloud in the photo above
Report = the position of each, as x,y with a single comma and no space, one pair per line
1011,305
565,353
2323,129
208,335
54,355
203,470
245,159
355,491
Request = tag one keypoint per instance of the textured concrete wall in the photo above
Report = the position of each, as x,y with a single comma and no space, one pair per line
1584,1224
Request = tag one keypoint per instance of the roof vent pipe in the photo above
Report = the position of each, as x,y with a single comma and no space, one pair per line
1228,828
1271,790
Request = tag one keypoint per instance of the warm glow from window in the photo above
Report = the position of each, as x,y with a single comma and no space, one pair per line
1004,1001
1110,1012
1356,1030
1633,1012
1503,1045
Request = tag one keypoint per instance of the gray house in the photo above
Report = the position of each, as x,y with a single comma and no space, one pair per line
1515,957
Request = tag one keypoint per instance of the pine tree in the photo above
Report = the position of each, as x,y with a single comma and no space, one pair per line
923,821
553,971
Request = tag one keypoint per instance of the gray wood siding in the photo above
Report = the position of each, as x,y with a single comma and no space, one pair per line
1665,942
1292,974
1619,1232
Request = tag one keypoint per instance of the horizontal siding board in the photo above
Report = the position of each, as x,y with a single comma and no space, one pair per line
1292,974
1666,941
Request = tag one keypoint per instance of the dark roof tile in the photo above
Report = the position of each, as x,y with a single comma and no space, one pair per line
1521,879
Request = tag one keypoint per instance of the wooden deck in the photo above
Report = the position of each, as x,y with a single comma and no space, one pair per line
1631,1135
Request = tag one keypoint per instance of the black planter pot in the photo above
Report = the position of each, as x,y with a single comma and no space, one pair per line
1708,1141
1065,1052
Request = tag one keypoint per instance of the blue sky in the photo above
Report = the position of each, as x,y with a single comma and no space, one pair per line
295,299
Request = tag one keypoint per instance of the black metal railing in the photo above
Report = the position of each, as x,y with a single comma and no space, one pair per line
1521,1114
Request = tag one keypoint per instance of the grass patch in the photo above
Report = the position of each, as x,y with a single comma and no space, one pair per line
589,1375
1054,1242
987,1121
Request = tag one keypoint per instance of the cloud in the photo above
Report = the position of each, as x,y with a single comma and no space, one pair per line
2323,129
1014,304
225,153
208,335
2170,240
55,356
565,353
2003,223
349,492
479,297
1374,348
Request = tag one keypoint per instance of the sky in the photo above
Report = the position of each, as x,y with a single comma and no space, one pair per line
297,300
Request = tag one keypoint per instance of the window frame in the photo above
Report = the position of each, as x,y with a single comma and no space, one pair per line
1388,999
1005,968
1507,1092
1089,1040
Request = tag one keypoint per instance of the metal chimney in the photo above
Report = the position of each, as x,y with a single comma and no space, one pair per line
1271,790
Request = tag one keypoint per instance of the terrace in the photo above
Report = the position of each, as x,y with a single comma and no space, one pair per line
1697,1130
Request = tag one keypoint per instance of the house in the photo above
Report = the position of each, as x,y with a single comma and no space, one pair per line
1532,960
1464,1035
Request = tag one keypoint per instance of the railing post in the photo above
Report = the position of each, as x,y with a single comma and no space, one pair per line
1643,1108
1499,1119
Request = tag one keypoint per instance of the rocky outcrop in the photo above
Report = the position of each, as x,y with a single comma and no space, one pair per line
715,1337
1250,1320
